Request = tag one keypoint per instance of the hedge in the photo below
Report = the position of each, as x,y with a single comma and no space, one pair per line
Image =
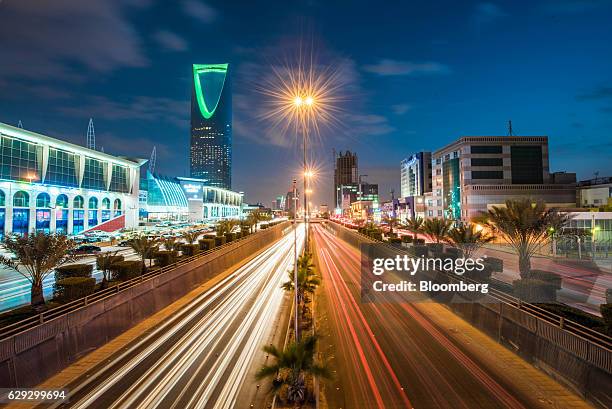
219,240
73,270
531,290
165,258
73,288
113,260
407,239
230,237
546,276
206,244
126,270
190,249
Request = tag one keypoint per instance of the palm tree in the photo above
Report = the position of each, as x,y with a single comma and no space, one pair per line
172,244
104,262
36,256
415,226
436,229
144,247
390,221
225,226
525,225
468,238
190,236
291,367
306,278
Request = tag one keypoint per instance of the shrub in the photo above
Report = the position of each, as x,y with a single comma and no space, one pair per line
230,237
394,240
73,270
496,264
407,239
420,250
206,244
546,276
530,290
112,260
219,240
164,258
190,249
126,270
73,288
419,241
376,235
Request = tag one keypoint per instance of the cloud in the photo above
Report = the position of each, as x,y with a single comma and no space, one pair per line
170,41
142,108
388,67
601,92
401,109
48,38
199,11
367,125
572,6
486,13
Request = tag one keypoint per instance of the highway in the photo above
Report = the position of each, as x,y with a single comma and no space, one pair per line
204,355
391,355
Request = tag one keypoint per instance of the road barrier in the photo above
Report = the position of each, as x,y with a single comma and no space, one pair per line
577,355
36,348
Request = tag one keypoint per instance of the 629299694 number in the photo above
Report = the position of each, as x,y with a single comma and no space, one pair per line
8,395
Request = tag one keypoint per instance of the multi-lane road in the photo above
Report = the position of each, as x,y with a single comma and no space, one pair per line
391,355
205,354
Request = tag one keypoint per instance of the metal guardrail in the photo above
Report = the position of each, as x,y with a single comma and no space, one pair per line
563,323
45,316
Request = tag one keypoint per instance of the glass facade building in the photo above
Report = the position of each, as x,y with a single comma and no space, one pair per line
211,125
48,185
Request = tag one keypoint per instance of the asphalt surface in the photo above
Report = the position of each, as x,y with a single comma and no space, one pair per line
204,355
390,355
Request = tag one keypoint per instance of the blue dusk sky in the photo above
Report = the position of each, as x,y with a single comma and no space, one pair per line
411,76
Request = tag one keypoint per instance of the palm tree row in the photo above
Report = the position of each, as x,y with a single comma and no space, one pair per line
524,224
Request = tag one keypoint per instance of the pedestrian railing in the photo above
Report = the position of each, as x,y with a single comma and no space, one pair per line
45,316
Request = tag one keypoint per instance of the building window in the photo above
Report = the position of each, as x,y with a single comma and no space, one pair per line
21,199
61,201
61,169
78,202
21,219
61,220
92,216
43,220
487,174
43,200
93,176
486,149
2,198
527,165
78,221
19,160
106,203
487,162
93,203
119,179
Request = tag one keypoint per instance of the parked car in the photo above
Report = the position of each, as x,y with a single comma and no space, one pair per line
86,249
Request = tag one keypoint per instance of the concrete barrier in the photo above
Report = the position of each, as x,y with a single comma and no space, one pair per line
30,357
573,360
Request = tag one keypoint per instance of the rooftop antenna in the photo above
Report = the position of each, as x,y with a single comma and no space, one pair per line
510,131
153,159
91,135
20,124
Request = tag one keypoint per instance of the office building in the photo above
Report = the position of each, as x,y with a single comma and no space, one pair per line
51,186
416,175
211,125
476,172
367,191
345,174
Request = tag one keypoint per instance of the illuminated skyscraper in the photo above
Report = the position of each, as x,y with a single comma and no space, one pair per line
211,125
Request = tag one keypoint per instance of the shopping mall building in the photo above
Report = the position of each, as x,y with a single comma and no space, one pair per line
49,185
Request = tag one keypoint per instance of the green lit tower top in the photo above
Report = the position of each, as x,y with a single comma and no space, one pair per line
211,125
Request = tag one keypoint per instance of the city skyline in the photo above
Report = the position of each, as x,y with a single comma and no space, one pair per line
405,96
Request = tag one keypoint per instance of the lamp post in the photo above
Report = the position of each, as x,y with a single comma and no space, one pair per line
304,105
295,259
